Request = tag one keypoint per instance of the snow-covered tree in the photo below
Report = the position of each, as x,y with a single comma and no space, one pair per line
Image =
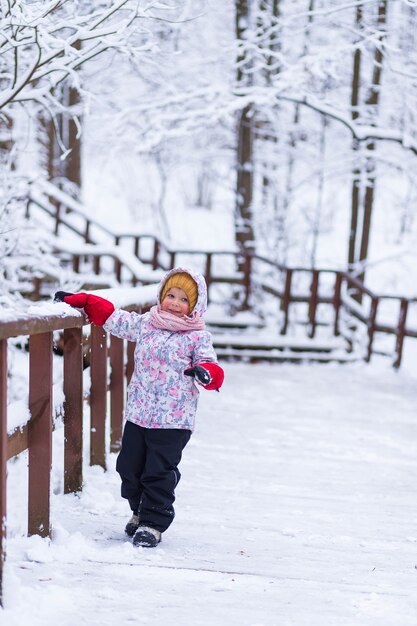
44,47
284,112
303,55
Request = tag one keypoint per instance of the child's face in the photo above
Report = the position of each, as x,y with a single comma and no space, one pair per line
176,302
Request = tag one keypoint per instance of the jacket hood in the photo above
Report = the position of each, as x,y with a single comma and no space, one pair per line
201,304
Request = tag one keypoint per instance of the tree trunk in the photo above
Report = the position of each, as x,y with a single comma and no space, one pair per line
73,160
317,219
368,204
60,134
291,159
244,216
354,215
363,200
372,101
244,230
266,137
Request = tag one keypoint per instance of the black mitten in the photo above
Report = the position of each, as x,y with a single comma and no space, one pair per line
60,295
200,373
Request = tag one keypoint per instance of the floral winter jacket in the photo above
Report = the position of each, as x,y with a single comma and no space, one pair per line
159,393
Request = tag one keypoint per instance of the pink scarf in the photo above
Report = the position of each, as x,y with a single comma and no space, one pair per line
167,321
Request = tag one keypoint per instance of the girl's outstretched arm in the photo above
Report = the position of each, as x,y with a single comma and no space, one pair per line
97,309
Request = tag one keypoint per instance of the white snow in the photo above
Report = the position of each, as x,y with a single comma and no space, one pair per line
296,507
297,502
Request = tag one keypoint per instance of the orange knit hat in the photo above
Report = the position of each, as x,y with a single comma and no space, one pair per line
183,281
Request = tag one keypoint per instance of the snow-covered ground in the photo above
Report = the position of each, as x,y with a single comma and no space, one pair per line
296,507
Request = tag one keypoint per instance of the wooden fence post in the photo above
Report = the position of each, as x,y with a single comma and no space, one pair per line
118,269
136,246
98,396
116,392
58,208
399,343
285,303
312,305
371,327
207,272
87,232
96,264
247,278
73,410
337,301
3,458
155,260
40,432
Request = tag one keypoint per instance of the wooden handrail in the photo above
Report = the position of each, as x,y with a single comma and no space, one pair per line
30,325
36,434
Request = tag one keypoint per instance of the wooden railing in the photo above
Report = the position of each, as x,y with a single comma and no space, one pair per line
36,435
344,294
352,302
347,294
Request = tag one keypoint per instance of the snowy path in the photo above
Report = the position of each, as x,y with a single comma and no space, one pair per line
297,507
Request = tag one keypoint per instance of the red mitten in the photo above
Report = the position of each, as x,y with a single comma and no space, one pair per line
209,375
97,309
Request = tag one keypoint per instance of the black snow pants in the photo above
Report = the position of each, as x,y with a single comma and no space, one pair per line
147,464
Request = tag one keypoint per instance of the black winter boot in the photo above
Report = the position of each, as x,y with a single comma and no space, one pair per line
147,537
132,525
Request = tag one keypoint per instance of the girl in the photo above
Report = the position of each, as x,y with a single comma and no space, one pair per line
173,351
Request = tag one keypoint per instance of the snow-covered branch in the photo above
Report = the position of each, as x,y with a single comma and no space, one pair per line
359,131
42,45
